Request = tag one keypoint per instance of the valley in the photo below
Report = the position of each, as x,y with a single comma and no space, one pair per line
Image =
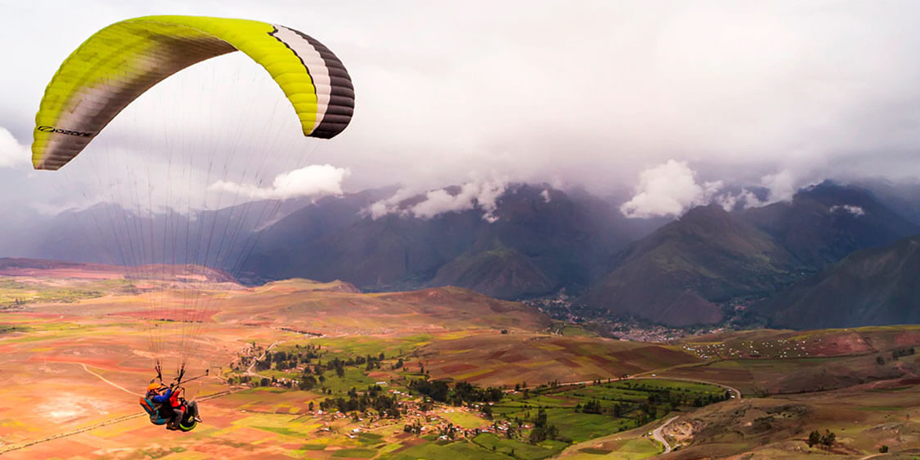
319,370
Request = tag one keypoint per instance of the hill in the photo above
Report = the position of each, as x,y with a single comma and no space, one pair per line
503,273
678,274
543,239
826,222
870,287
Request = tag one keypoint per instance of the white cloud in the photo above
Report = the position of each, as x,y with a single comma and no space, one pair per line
389,205
12,153
852,209
746,198
668,190
782,186
312,180
478,193
727,201
801,86
545,195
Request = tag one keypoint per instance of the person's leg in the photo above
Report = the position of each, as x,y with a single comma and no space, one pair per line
177,417
193,410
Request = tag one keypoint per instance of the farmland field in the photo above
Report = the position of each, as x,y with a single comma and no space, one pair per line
304,369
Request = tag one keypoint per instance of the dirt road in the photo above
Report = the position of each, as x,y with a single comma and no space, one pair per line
657,434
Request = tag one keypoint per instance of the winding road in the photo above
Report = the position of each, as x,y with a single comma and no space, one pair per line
660,437
260,358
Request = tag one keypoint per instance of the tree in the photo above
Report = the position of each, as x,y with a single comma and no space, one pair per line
540,421
828,438
814,438
883,449
592,407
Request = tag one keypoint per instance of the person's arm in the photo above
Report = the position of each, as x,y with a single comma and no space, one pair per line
163,397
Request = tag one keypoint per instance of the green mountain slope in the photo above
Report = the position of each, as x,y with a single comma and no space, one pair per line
676,275
824,223
498,273
870,287
543,239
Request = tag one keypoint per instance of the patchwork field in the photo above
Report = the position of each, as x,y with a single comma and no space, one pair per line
299,369
500,359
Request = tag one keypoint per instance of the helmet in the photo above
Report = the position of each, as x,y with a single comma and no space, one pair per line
153,386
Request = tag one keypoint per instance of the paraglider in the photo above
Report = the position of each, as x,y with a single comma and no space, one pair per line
166,405
117,64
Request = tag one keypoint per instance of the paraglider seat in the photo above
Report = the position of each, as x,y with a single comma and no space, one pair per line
153,410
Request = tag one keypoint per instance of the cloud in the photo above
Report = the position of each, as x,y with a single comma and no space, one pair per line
782,186
668,189
480,194
312,181
12,153
852,209
546,196
389,205
810,88
744,199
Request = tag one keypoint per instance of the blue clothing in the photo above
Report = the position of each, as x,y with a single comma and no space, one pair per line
161,399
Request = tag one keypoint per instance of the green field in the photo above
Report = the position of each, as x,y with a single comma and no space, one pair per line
454,450
15,292
515,448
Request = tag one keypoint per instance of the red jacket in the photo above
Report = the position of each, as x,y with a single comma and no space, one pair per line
174,399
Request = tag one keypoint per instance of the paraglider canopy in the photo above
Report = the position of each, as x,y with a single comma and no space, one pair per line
118,63
182,257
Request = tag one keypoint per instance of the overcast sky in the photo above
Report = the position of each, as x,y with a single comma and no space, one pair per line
667,100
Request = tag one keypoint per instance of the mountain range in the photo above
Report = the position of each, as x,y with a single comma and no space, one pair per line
870,287
543,239
537,240
678,274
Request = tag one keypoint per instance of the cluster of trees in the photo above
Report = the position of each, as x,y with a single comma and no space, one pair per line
896,354
450,431
309,382
541,430
257,381
414,428
304,357
648,408
373,398
646,411
594,407
463,393
826,439
902,353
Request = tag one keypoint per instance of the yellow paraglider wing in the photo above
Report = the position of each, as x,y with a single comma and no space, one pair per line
118,63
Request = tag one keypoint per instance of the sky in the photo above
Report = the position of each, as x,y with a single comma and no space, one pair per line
667,103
